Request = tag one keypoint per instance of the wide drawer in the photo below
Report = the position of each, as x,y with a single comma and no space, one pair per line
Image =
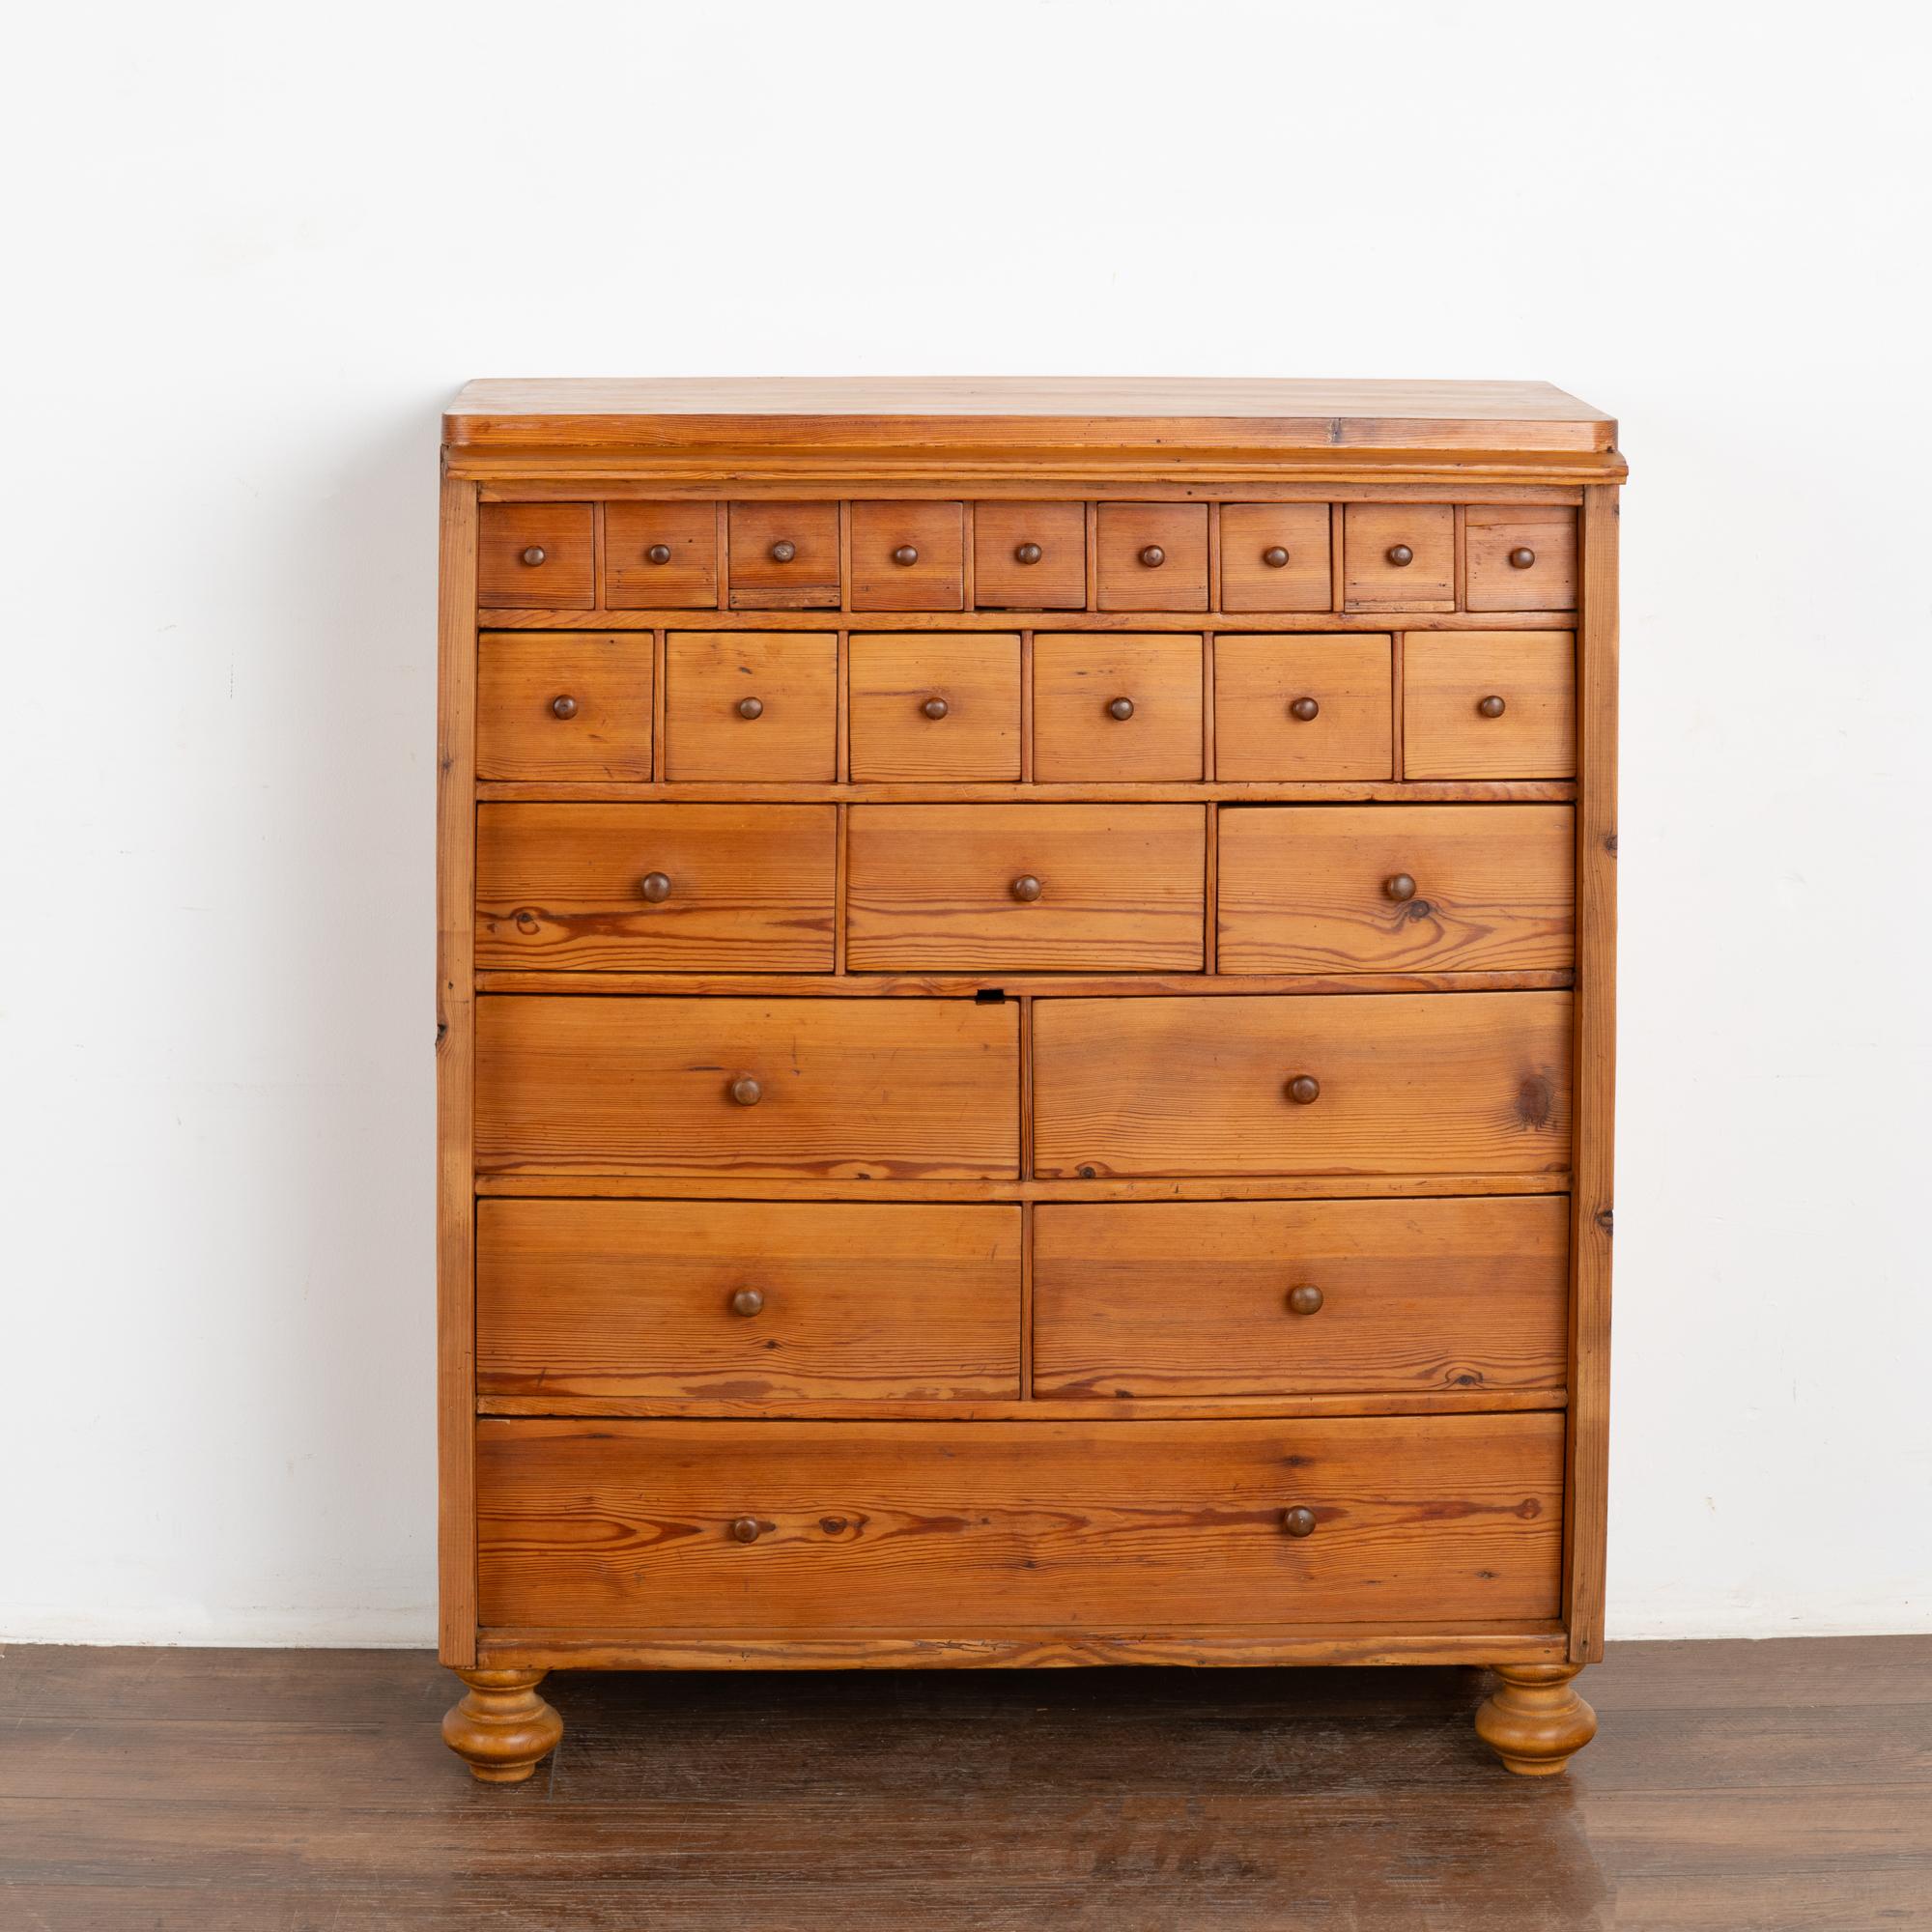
1032,886
666,888
785,1528
1300,1297
1432,1083
1395,888
746,1301
851,1089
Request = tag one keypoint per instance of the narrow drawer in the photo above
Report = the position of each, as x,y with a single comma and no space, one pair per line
1030,887
935,709
1429,1083
746,1301
1395,888
1490,705
536,557
1300,1297
839,1088
1295,707
1118,709
661,557
776,1528
1399,556
1152,556
757,706
656,888
563,704
1276,556
784,557
1030,557
1519,559
908,556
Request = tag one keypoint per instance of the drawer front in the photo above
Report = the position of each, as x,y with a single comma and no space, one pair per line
755,705
661,557
1519,559
1030,557
563,704
1033,888
1152,556
1396,888
1276,556
1289,707
1300,1297
1490,705
934,709
846,1089
908,556
1116,709
785,556
656,888
1399,556
1430,1083
536,557
790,1529
746,1301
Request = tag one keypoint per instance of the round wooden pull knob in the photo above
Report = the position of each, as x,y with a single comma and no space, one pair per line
747,1301
1305,1299
905,554
1121,708
1304,1089
659,554
1522,559
1401,556
1398,888
1026,889
1027,553
1492,706
783,552
750,707
655,887
563,706
1276,558
1153,556
746,1091
535,555
1304,708
746,1527
934,707
1297,1521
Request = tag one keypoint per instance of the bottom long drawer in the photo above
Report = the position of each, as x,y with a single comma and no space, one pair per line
787,1528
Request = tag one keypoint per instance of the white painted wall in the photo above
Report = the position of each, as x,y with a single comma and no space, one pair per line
258,246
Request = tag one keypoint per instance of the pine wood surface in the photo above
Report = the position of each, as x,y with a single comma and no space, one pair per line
793,680
606,683
1259,736
895,739
1444,679
1077,739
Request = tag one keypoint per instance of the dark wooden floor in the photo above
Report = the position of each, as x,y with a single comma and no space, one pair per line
1748,1787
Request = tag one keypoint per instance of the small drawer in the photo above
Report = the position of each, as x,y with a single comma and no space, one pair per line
656,888
1116,709
785,556
758,705
908,556
1519,559
661,557
1026,887
935,709
746,1301
1399,556
1295,707
1152,556
1490,705
563,704
1030,557
1214,1298
536,557
1395,888
1276,556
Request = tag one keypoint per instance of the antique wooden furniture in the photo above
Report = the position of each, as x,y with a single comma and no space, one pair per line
1025,1031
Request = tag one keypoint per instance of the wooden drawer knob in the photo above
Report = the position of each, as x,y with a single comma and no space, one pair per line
1276,558
1026,889
1304,708
1297,1521
1399,888
1402,556
746,1091
1121,708
747,1301
658,553
655,887
1304,1300
1027,553
746,1527
1492,706
934,707
563,706
1304,1089
1522,558
750,707
905,556
535,555
1153,556
783,551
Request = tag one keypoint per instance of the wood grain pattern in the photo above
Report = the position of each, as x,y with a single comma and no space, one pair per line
616,1527
1409,1084
1249,532
761,580
1125,533
1055,581
1121,888
1374,581
536,555
1444,679
686,580
934,582
1192,1298
794,678
1307,888
606,683
894,677
1076,678
631,1298
1495,534
1258,735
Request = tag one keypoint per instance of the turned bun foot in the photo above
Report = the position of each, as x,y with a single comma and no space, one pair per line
1534,1719
502,1728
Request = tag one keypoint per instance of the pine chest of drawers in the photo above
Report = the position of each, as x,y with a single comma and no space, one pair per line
1025,1031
